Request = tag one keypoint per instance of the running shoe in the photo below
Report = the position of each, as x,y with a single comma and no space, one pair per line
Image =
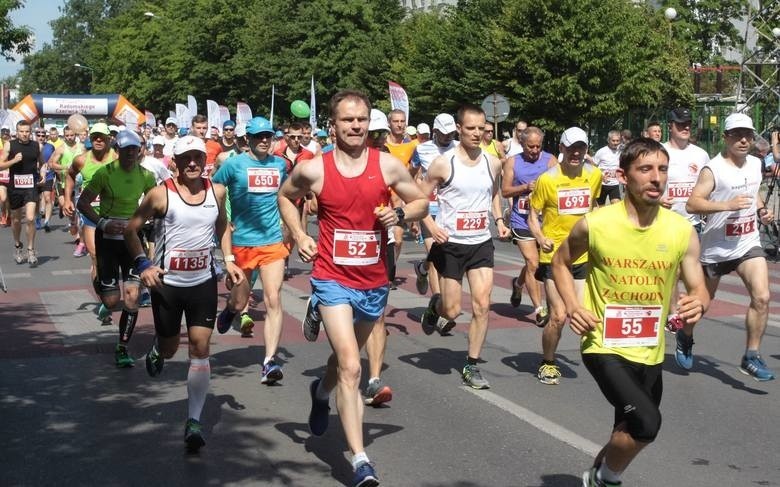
549,374
104,315
19,255
121,357
422,278
430,318
145,300
589,479
46,227
271,373
318,416
154,361
247,325
756,368
517,293
193,435
542,317
472,377
32,259
674,323
37,222
377,393
444,326
365,476
311,322
224,321
683,353
80,250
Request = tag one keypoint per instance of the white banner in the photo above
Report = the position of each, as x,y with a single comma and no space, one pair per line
313,109
224,114
243,115
398,98
212,110
150,121
273,96
192,105
183,116
68,106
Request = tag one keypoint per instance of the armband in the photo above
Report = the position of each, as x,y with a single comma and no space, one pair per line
141,264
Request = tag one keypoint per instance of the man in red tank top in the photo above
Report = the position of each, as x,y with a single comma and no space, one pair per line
349,278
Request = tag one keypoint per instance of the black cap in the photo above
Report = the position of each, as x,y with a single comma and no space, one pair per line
680,115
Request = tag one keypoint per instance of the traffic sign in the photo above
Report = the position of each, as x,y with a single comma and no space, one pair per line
496,108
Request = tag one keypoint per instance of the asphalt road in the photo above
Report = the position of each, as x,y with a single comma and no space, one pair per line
71,418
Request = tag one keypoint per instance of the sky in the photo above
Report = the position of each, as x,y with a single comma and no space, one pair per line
36,15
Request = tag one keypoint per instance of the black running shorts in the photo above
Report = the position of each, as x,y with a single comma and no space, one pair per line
197,303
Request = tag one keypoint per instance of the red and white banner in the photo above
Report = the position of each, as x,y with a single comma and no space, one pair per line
398,98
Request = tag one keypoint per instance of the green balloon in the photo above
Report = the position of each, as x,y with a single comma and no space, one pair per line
300,109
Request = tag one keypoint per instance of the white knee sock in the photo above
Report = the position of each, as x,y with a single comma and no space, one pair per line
198,385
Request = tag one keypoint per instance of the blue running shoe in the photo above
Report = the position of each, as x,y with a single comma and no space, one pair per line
272,372
683,354
225,320
756,368
365,476
145,300
318,417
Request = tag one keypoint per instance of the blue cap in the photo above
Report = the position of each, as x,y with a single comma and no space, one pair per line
279,134
321,133
228,123
127,138
259,125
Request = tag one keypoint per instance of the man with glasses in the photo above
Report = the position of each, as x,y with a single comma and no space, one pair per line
120,184
293,150
253,179
228,140
513,145
86,164
489,144
727,192
22,157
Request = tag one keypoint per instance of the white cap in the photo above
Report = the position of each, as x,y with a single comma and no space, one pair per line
378,121
411,130
738,121
423,128
444,123
172,120
113,128
188,143
158,140
573,135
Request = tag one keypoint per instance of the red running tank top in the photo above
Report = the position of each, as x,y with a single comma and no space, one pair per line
352,243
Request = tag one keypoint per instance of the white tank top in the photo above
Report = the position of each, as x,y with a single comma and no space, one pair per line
684,168
729,235
184,238
465,200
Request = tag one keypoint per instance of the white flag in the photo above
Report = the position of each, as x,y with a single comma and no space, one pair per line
313,108
212,109
243,115
192,105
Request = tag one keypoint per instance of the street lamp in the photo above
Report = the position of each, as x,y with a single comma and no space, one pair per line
670,14
149,15
91,70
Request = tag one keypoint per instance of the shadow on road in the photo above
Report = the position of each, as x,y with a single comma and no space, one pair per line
704,365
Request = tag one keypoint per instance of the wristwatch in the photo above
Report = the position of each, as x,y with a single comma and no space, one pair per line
230,258
399,212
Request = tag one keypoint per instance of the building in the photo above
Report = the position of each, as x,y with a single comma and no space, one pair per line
426,4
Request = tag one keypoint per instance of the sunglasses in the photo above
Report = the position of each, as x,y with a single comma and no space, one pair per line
228,129
295,137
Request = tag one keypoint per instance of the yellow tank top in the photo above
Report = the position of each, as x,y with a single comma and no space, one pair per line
631,281
490,148
562,200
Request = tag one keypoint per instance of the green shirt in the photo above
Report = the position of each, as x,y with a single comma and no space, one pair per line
120,190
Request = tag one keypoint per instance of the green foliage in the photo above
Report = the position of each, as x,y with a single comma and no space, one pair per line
13,40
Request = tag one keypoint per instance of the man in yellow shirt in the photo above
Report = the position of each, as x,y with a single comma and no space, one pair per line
635,249
560,197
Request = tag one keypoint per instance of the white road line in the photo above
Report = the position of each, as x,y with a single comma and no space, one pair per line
542,424
70,272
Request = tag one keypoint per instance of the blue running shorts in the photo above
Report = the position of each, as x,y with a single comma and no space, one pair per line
367,304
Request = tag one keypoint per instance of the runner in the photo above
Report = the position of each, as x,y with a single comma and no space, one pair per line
727,192
621,314
60,161
349,279
608,160
253,180
513,145
119,184
467,180
22,157
182,278
520,173
561,196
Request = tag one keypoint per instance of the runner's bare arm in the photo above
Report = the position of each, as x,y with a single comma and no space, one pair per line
152,205
693,304
699,202
576,244
307,177
398,178
225,235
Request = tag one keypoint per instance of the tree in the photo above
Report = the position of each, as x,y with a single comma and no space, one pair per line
13,40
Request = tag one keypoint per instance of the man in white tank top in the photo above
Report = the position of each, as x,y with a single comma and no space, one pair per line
727,192
467,181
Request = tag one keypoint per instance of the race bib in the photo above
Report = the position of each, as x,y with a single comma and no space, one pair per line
5,176
263,179
631,325
182,260
573,201
737,226
609,176
471,222
522,205
680,191
356,247
24,181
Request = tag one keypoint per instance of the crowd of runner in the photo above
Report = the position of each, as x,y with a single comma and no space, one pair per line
166,212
